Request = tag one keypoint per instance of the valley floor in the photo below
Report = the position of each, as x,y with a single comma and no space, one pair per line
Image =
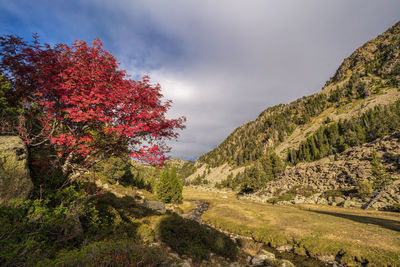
347,236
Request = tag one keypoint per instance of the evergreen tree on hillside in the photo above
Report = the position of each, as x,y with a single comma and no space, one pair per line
255,176
380,176
169,186
382,180
338,136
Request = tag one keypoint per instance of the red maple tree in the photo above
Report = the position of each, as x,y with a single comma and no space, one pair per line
87,108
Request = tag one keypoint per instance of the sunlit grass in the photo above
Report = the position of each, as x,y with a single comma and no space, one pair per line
321,230
187,206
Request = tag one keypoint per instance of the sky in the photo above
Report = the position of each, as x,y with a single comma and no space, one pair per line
221,62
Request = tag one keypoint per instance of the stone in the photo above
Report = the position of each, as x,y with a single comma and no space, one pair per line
284,248
347,204
249,258
286,263
185,264
268,255
155,205
326,258
262,259
339,200
257,260
15,181
173,255
299,200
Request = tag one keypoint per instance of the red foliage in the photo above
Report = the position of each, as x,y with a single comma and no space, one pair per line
88,106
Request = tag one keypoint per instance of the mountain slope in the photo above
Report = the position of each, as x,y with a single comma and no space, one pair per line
364,79
367,82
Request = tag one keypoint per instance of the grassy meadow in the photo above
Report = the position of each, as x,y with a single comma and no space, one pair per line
357,236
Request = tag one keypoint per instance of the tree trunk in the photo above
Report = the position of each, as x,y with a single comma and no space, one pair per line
66,167
376,197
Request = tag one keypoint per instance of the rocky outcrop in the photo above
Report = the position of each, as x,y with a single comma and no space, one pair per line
15,181
334,180
155,205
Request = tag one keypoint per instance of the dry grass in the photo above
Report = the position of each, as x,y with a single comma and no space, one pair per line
321,230
187,206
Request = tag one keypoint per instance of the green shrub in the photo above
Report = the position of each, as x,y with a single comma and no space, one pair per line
340,192
38,228
9,110
145,233
305,191
365,189
284,197
111,253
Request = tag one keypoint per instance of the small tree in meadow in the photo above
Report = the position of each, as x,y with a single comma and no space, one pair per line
169,186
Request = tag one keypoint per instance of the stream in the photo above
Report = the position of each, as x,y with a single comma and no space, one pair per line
202,206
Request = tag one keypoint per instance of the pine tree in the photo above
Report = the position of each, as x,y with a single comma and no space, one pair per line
169,186
381,179
162,187
380,176
176,186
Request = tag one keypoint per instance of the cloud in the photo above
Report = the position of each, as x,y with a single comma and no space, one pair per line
221,62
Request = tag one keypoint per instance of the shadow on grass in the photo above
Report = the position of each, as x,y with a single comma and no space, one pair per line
125,205
183,236
385,223
194,239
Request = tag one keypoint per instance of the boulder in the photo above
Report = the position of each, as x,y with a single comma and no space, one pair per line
15,181
286,263
155,205
284,248
322,201
339,200
299,199
261,260
185,264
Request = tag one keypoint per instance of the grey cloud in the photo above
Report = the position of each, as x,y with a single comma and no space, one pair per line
242,57
224,62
